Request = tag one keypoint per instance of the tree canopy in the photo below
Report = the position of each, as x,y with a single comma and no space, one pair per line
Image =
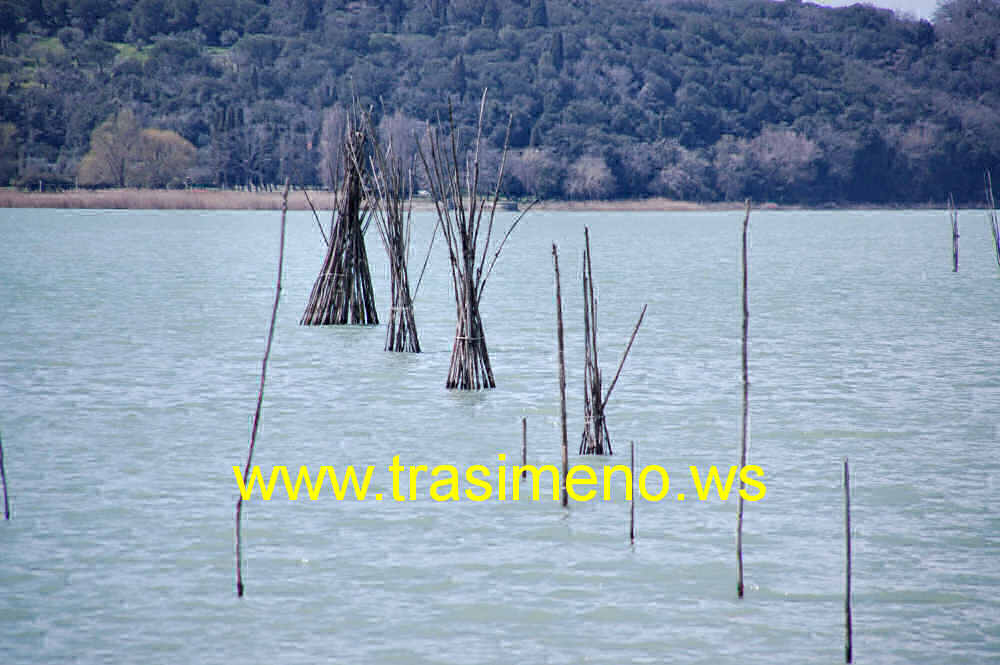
694,99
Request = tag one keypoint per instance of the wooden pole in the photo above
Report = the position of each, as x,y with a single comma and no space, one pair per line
562,379
595,433
3,475
524,446
953,212
326,241
621,363
260,392
746,401
848,644
994,223
631,521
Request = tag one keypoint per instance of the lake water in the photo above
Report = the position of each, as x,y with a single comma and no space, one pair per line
130,350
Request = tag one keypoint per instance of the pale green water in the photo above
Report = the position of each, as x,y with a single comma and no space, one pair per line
130,346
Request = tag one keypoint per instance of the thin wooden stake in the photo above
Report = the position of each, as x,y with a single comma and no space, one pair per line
326,240
260,392
631,522
992,212
848,644
562,380
621,363
953,212
746,402
3,475
524,446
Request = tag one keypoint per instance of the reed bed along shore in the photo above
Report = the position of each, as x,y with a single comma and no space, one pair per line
216,199
231,199
152,199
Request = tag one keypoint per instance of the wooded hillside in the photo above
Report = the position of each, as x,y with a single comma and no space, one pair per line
703,100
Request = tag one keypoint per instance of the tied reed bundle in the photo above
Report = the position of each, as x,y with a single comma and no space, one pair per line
342,293
466,220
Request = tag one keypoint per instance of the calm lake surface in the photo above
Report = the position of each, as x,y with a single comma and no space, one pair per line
130,350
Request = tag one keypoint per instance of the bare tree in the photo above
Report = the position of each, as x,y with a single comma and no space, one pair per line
334,126
539,171
590,178
112,149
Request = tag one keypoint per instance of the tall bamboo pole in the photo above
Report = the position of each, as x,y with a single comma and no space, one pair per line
848,628
746,409
562,379
260,392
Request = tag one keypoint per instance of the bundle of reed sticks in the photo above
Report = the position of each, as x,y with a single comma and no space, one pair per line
393,197
342,292
595,439
466,221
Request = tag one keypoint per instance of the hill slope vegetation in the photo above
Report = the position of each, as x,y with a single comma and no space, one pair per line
703,100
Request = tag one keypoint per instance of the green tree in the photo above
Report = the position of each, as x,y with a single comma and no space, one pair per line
97,53
11,18
215,16
149,17
87,13
557,51
8,152
539,14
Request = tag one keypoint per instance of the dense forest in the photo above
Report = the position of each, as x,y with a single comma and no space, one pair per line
694,99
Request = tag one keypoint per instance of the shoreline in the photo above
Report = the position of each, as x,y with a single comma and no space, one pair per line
214,199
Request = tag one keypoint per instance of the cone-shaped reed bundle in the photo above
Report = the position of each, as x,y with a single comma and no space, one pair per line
466,222
342,292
